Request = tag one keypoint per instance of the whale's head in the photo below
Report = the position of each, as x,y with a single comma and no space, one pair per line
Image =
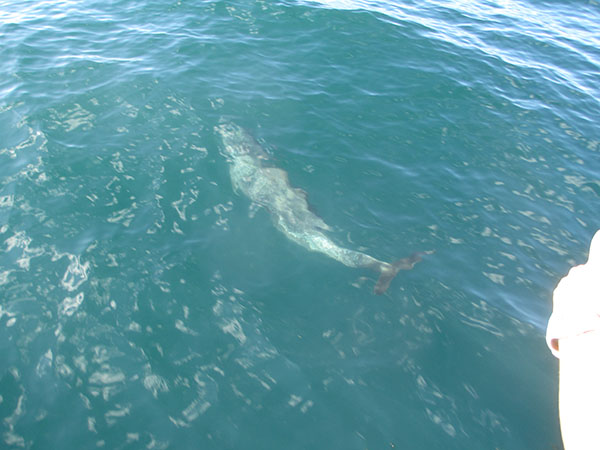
233,138
238,142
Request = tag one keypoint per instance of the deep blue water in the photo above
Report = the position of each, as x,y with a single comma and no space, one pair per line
145,304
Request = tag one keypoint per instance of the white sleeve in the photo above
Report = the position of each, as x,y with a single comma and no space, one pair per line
562,326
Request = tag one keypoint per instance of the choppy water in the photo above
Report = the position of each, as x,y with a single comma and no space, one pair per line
143,304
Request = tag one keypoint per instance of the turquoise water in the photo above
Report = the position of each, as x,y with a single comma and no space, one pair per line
145,304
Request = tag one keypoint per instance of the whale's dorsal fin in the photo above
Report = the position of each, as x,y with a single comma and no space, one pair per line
302,193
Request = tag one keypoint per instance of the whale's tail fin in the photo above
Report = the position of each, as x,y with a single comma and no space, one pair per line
389,271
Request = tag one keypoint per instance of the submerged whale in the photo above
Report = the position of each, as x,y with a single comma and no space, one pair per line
269,187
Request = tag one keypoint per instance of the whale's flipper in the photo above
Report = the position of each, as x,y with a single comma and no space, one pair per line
389,271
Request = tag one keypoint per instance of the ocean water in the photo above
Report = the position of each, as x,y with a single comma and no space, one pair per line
146,304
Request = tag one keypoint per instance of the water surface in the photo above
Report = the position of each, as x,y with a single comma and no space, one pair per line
145,304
